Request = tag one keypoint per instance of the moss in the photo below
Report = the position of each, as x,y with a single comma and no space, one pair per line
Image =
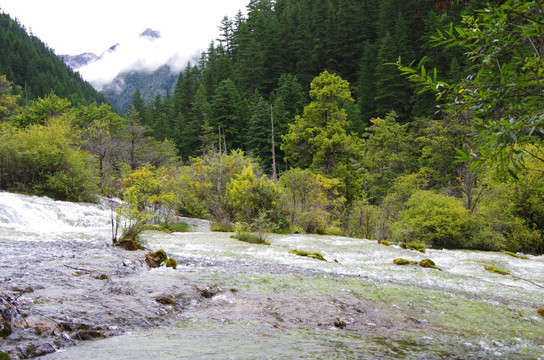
165,300
171,262
413,246
401,261
4,356
131,245
161,254
514,255
384,242
540,311
5,330
313,255
428,263
496,271
250,238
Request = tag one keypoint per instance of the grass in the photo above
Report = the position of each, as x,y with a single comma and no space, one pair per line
250,238
222,227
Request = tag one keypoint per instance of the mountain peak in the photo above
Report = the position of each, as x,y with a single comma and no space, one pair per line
151,34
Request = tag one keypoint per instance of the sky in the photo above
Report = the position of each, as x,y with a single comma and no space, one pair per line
74,27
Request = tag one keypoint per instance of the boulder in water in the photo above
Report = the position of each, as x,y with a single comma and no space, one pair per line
155,258
171,262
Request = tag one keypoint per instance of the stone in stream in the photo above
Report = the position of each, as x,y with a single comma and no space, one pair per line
155,258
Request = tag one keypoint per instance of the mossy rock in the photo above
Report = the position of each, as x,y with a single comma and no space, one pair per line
165,300
428,263
250,238
161,254
401,261
130,245
384,242
5,330
171,263
313,255
540,311
496,271
4,356
413,246
514,255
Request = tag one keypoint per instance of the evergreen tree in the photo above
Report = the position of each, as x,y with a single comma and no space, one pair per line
226,114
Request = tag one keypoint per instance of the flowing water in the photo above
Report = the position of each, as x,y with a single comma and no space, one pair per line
69,295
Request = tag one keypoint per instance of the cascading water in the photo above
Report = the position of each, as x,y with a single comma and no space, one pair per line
230,299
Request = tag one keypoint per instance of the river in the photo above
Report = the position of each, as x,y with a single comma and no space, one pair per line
68,294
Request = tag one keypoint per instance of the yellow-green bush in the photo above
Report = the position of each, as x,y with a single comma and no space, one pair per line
434,219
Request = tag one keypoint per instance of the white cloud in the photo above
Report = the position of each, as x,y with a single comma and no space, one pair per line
74,27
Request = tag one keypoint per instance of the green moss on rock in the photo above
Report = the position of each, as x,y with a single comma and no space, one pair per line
428,263
130,245
171,263
496,271
401,261
313,255
384,242
514,255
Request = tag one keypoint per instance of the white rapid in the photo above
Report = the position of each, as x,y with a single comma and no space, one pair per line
265,302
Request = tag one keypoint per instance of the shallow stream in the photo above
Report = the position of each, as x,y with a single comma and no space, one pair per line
73,296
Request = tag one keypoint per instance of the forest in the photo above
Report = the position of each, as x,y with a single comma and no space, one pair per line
403,121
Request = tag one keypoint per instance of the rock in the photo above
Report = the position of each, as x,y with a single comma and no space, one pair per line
540,311
384,242
152,259
165,300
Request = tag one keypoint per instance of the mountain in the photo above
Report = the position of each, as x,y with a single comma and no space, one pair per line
145,62
35,70
120,90
78,61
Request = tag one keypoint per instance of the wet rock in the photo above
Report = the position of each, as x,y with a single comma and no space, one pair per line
413,246
540,311
384,242
130,245
39,350
87,332
155,258
165,300
209,291
341,324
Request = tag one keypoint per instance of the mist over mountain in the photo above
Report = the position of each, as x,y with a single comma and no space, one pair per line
147,61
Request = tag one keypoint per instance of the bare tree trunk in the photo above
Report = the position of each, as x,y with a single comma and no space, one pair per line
274,174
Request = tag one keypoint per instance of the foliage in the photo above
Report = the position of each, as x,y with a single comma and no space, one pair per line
146,198
8,101
42,159
503,96
311,200
434,219
319,140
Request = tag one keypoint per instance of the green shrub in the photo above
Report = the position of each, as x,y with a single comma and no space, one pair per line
434,219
